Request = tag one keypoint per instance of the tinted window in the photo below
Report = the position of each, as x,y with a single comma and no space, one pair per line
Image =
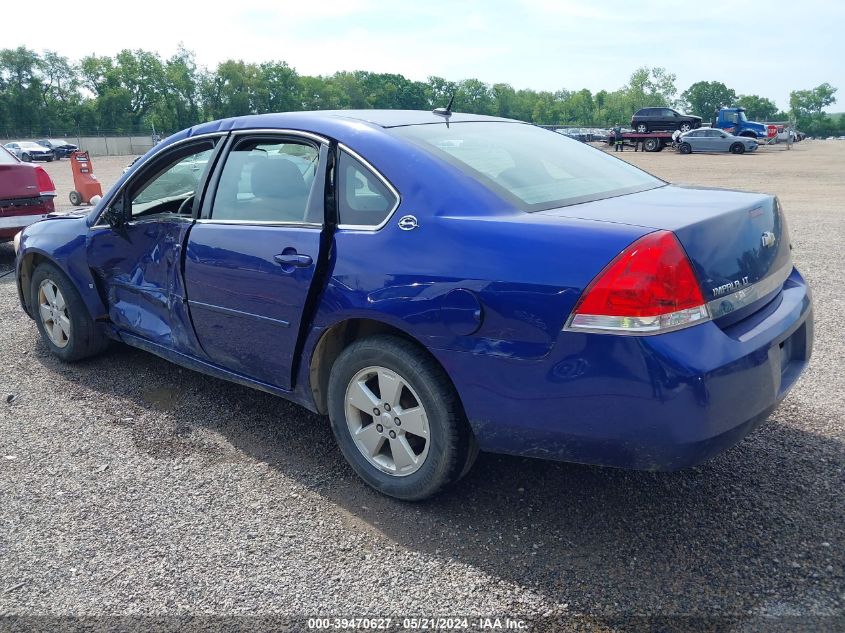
172,184
530,167
363,199
668,112
266,181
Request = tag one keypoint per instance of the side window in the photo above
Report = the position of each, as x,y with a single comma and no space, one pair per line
363,198
173,184
266,180
732,117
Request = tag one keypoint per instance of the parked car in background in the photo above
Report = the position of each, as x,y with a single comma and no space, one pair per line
599,135
29,151
712,140
26,194
455,283
663,120
61,148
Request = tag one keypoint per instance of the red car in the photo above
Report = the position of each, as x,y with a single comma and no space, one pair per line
26,194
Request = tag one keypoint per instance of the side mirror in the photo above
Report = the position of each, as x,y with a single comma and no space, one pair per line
114,217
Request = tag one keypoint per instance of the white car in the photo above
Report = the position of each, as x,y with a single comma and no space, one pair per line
28,151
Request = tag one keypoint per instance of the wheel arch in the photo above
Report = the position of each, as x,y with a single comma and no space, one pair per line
29,262
338,337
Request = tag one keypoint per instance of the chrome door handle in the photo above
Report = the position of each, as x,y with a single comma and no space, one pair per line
293,259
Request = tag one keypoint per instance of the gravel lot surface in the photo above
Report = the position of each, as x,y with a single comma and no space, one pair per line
131,486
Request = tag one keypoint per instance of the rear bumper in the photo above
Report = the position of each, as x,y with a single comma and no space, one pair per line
654,403
14,218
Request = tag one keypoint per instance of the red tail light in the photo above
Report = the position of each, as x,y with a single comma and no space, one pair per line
44,182
649,288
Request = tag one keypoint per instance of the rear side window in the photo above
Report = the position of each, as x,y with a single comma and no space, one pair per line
364,199
532,168
266,181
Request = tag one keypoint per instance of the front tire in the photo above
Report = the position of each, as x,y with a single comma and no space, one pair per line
686,148
66,327
737,148
75,198
642,128
685,127
26,158
397,418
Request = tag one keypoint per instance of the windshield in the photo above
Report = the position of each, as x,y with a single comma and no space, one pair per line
58,141
533,168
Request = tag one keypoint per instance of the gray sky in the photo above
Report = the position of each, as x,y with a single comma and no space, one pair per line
753,46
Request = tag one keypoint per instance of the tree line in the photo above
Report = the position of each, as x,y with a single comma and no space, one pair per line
138,91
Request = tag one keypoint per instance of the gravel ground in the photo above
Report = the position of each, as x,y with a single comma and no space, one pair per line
131,486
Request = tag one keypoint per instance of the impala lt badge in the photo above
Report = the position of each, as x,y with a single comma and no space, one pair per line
730,287
768,239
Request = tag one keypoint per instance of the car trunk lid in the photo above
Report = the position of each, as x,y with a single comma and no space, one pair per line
737,242
19,181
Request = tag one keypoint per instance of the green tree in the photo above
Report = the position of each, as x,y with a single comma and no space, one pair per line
22,88
650,87
703,98
474,96
807,108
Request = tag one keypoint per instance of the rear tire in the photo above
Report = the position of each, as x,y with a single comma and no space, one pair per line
422,395
75,198
737,148
686,148
651,145
64,323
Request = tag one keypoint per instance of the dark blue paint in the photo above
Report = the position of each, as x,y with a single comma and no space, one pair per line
485,288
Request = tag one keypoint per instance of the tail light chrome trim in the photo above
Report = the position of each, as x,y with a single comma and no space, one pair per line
638,326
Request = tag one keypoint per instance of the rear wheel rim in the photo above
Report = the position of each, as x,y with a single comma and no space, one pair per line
387,421
52,309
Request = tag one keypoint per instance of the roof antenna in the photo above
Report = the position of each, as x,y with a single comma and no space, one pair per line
447,111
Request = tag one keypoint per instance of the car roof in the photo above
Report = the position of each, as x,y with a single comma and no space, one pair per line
381,118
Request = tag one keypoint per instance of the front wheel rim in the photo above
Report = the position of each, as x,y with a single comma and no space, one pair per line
52,309
387,421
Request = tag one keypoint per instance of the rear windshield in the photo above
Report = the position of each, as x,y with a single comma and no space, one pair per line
533,168
6,157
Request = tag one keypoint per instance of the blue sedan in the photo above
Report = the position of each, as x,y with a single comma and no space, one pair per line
437,284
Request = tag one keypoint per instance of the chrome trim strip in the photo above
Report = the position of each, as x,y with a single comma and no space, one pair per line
385,182
745,296
240,313
636,326
281,131
308,225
